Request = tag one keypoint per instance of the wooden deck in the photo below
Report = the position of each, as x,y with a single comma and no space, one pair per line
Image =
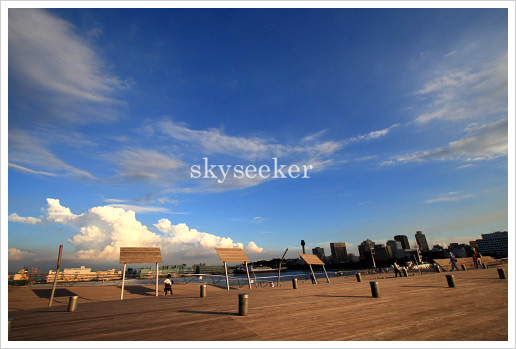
418,307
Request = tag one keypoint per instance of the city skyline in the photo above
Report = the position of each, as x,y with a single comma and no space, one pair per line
401,114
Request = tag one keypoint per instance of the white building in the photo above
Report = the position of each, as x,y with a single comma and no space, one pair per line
494,243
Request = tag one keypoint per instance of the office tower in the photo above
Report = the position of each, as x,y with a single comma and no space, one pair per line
319,252
339,252
421,241
404,241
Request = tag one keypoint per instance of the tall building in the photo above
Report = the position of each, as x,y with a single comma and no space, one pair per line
339,252
404,241
397,250
421,241
382,252
319,252
496,244
364,248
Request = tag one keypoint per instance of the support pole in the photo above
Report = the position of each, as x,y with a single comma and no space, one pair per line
313,275
123,283
57,274
279,269
325,273
157,273
248,277
227,277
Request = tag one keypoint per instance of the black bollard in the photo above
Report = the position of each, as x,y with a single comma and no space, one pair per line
374,289
359,277
294,284
463,266
501,274
72,303
203,291
243,304
451,280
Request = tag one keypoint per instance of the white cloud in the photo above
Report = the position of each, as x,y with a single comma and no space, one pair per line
147,164
253,247
475,91
180,235
16,254
48,58
489,142
448,197
104,229
13,217
372,135
27,150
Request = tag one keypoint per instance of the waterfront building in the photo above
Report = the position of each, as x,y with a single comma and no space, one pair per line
319,252
421,241
404,241
396,249
83,274
364,249
382,252
339,252
496,244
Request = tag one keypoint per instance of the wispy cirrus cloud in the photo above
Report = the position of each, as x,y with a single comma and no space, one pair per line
49,60
473,91
488,141
448,197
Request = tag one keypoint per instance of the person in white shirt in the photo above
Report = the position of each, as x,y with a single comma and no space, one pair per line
168,284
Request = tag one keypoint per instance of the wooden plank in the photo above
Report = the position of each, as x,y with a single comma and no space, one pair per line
311,259
140,255
232,254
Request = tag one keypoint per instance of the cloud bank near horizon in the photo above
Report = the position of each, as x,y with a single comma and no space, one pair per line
104,229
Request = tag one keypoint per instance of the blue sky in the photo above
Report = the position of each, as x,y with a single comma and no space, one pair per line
401,112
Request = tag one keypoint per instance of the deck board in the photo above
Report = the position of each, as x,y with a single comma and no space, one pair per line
418,307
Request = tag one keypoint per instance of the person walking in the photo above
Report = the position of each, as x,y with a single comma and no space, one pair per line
396,269
168,285
453,262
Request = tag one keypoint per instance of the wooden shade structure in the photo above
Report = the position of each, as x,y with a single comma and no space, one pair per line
233,255
313,259
140,255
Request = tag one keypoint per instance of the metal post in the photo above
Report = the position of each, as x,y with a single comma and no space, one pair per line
157,273
451,280
279,269
72,303
372,256
243,304
203,291
501,274
374,289
294,284
325,273
463,266
359,277
123,283
248,277
313,275
57,274
417,264
227,278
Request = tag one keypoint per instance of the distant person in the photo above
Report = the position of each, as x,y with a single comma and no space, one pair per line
453,262
168,284
476,262
396,268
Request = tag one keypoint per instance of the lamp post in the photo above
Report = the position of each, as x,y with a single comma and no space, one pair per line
372,256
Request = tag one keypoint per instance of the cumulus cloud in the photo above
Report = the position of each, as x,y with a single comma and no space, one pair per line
254,248
16,254
104,229
490,141
13,217
183,236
